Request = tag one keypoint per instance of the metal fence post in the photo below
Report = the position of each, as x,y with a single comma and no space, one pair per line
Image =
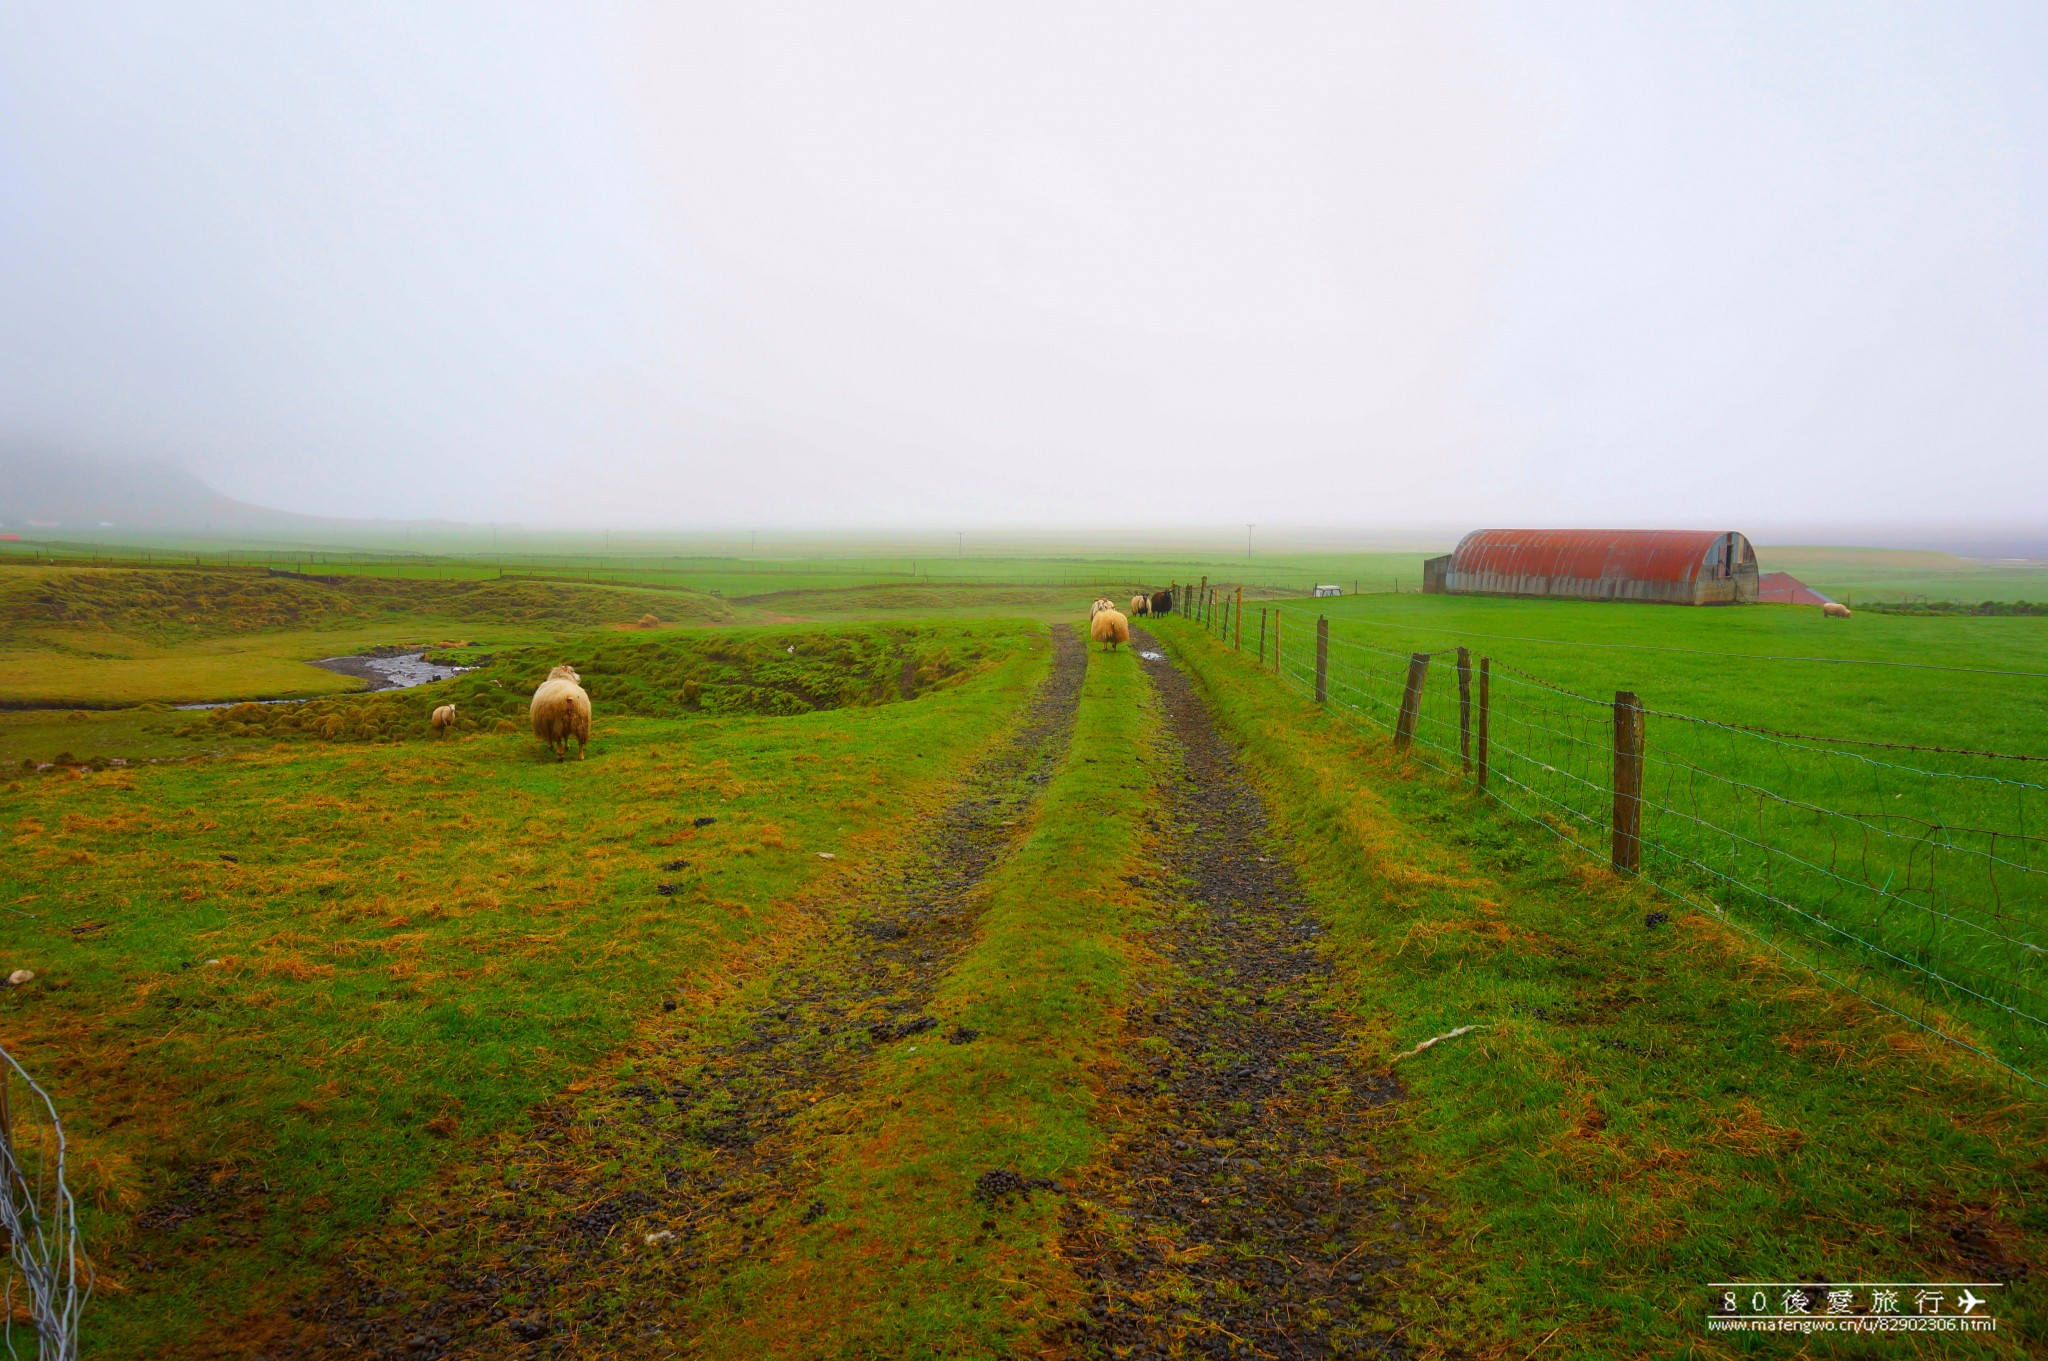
1485,715
1411,700
1276,644
1262,637
1322,659
1465,708
1628,782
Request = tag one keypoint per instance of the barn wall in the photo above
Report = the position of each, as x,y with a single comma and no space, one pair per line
1667,567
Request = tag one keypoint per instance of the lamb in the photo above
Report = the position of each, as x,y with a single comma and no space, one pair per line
443,720
1141,605
1835,609
1162,602
561,710
1110,627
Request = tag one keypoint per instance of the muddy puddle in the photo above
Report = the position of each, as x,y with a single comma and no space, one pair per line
393,671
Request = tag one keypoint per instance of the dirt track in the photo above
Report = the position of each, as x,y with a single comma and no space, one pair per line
1248,1216
695,1150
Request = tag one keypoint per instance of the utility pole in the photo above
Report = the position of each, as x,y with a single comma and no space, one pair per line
1248,542
960,546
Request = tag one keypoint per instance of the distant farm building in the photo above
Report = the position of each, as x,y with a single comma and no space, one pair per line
1782,588
1664,566
1322,591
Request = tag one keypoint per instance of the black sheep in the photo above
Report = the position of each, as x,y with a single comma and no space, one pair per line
1162,602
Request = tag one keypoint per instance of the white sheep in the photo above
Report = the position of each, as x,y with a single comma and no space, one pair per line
1110,627
561,710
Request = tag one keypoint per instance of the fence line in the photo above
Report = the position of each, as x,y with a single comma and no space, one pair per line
1885,879
45,1256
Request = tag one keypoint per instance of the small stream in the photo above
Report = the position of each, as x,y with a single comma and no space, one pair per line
398,671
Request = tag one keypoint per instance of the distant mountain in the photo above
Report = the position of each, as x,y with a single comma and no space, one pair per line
44,489
48,493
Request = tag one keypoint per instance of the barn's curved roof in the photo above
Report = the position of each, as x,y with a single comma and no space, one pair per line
1590,554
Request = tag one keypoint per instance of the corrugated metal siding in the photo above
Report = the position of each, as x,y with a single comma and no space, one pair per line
1670,566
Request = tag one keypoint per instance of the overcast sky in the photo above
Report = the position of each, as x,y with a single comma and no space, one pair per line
966,264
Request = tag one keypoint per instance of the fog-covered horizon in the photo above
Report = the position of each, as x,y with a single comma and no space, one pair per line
1775,267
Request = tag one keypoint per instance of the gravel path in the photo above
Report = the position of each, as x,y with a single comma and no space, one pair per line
626,1203
1248,1216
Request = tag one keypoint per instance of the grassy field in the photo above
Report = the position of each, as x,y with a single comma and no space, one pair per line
1965,682
277,989
1926,865
316,968
1875,574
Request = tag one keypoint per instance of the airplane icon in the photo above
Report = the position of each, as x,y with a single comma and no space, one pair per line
1968,1301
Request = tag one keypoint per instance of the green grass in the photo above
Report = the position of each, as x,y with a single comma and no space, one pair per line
415,943
1650,1109
1873,574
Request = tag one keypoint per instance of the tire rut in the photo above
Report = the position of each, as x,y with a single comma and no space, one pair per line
620,1211
1241,1213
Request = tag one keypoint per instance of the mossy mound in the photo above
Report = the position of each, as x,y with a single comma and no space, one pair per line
784,672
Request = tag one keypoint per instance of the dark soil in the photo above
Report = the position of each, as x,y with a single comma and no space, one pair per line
1241,1213
621,1209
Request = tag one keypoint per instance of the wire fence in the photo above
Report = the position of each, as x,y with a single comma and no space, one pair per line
47,1277
1921,886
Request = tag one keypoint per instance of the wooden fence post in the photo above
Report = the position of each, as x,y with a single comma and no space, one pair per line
1411,700
1628,782
1322,659
1237,623
1485,715
1262,637
1465,708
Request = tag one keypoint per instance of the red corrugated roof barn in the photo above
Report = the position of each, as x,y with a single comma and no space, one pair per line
1667,566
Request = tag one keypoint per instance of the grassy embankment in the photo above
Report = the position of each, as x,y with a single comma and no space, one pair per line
113,636
276,990
1651,1108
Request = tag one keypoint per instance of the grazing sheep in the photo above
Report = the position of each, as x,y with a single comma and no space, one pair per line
1835,609
1162,602
561,710
443,720
1110,627
1141,605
